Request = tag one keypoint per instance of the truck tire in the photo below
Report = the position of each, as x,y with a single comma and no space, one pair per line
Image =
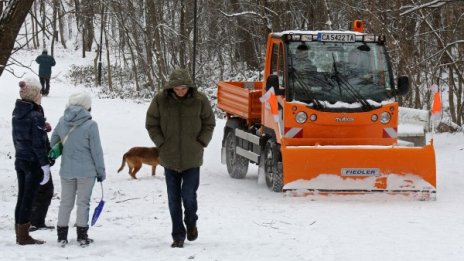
237,166
273,166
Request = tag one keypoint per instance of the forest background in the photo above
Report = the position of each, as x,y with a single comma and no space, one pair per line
136,44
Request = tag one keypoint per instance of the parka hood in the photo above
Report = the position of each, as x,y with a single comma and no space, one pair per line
179,77
76,115
23,108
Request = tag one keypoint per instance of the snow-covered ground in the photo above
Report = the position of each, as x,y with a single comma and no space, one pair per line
238,219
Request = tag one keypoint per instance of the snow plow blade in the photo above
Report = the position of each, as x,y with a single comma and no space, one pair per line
360,170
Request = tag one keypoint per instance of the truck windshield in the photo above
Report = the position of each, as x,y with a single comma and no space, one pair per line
338,72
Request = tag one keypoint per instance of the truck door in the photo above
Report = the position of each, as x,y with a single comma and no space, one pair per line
276,68
277,64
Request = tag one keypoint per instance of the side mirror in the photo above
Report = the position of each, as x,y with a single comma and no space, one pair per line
403,85
273,81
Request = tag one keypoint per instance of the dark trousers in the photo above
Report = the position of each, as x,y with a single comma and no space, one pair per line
45,82
29,176
41,203
182,189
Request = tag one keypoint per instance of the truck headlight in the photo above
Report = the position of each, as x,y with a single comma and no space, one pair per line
385,117
301,117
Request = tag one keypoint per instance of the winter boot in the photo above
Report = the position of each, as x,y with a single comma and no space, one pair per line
62,235
41,227
192,233
16,232
177,244
82,237
23,236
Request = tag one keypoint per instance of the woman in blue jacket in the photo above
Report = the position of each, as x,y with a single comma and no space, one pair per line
81,164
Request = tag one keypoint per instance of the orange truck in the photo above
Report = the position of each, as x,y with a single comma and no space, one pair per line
324,119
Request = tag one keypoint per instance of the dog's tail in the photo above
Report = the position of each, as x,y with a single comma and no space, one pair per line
123,163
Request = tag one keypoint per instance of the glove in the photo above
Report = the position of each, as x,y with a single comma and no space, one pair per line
101,178
46,172
48,127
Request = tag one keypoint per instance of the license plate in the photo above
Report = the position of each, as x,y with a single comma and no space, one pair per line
360,172
334,37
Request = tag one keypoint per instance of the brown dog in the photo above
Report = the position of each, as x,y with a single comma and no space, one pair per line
137,156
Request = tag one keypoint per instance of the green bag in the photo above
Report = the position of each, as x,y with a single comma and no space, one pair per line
56,151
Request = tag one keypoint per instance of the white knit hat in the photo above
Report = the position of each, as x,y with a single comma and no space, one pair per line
29,90
80,99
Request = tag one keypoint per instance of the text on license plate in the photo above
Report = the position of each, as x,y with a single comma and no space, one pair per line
334,37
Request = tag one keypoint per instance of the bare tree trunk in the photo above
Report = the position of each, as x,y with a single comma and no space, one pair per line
61,24
88,29
246,48
54,32
451,92
182,35
148,35
460,103
35,30
134,69
26,33
10,24
108,62
158,31
43,25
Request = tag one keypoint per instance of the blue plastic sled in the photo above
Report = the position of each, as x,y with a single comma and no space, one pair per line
98,209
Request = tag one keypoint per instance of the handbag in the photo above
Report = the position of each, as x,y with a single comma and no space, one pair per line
57,149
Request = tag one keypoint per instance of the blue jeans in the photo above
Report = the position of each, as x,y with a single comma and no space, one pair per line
182,188
29,176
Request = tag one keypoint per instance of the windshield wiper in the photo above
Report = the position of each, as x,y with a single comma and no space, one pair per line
306,90
350,89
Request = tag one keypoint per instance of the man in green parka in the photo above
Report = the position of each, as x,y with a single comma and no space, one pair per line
180,122
45,62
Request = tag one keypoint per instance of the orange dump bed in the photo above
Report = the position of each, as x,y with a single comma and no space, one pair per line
241,99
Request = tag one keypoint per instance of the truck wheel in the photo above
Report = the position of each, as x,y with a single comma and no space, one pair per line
273,167
237,166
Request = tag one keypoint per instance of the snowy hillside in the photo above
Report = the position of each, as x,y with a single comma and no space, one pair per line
238,219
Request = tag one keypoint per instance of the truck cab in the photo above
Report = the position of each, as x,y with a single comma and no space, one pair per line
328,76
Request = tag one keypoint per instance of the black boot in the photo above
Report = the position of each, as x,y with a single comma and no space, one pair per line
82,237
192,233
62,235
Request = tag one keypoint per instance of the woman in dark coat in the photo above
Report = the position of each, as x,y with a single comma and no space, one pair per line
31,163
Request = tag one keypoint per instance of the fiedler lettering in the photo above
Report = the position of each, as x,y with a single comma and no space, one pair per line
360,172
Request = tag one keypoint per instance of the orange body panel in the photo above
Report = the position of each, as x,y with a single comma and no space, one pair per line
337,128
235,99
321,168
